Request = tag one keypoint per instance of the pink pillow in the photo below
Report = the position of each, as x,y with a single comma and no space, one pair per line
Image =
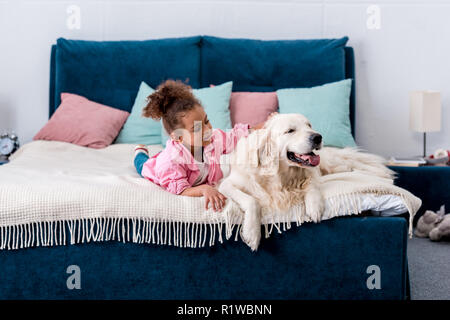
251,107
83,122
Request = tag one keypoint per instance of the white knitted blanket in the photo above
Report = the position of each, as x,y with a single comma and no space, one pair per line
54,193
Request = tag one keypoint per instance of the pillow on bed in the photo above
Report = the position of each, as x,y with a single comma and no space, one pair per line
216,101
138,129
251,107
326,106
83,122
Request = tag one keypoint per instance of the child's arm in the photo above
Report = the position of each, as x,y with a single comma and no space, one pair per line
193,191
231,138
211,194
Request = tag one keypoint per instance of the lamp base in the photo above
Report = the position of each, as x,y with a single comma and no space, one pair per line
424,144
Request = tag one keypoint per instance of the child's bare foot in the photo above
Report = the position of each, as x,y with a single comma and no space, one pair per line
140,148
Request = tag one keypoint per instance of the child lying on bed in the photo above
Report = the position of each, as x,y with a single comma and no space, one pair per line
189,165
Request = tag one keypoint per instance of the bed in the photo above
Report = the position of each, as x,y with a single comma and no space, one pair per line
330,260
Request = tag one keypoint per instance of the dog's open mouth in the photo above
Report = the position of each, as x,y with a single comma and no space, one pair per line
308,159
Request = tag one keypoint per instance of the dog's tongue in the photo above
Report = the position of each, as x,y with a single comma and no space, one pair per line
313,159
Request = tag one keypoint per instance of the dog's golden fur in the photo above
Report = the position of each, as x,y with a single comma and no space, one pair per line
263,176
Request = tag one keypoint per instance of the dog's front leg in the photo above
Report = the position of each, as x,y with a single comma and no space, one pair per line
314,203
251,226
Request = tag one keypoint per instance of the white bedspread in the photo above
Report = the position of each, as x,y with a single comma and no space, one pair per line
56,192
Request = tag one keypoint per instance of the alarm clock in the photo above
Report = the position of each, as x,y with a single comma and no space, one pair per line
9,143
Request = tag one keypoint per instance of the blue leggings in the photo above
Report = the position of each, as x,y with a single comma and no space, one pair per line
139,161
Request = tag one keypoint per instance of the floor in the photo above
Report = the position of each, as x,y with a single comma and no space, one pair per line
429,268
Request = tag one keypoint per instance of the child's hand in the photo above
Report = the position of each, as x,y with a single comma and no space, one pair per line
214,197
271,115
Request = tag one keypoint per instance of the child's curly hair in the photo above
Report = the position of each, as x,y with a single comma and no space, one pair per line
168,102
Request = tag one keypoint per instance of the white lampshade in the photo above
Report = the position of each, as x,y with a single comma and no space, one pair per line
425,111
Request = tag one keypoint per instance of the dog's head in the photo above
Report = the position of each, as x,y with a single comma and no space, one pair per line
290,139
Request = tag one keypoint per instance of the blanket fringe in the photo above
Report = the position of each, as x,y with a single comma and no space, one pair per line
340,205
159,231
136,230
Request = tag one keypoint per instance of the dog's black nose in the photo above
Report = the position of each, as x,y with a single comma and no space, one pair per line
315,139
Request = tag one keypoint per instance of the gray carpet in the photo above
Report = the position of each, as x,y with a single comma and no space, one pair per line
429,269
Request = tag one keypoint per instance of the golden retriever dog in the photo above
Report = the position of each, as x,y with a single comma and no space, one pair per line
278,166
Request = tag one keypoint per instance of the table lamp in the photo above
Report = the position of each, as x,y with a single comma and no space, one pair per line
425,113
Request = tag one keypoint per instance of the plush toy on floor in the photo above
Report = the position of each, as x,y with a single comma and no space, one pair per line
434,225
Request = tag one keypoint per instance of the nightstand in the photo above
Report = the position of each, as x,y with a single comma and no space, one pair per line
429,183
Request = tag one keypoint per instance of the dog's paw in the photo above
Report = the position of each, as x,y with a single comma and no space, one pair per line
251,227
314,210
314,205
251,236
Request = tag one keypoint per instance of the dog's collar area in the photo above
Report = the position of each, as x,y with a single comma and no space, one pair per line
308,159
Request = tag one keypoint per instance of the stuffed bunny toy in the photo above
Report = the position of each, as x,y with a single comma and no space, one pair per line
433,225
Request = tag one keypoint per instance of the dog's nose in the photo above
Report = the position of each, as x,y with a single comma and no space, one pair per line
315,139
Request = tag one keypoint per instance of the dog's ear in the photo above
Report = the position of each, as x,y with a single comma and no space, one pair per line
268,154
253,145
262,152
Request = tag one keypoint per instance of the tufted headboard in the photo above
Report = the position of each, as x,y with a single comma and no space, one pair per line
110,72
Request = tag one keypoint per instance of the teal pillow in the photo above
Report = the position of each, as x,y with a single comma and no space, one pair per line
138,129
216,102
326,107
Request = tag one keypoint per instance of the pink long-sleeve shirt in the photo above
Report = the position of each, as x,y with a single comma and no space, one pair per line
174,168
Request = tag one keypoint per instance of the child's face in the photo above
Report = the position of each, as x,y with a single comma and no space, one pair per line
197,128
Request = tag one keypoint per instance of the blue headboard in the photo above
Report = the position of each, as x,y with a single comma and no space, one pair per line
110,72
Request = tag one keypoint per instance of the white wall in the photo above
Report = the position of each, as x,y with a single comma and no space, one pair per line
409,51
